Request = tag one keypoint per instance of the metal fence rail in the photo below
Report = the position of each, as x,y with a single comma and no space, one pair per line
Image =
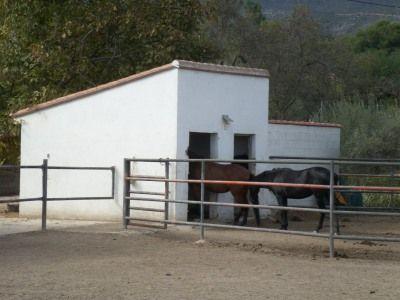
332,211
44,167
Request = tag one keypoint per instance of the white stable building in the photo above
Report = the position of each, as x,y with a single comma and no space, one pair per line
220,111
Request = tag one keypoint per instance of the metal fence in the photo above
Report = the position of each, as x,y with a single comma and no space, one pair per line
332,210
44,167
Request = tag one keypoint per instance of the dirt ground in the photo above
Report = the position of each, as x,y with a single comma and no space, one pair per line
102,261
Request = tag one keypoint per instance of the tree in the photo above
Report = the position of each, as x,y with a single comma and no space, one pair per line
301,60
52,48
377,53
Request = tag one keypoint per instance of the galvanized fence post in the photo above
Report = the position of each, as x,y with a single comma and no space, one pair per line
331,208
44,194
166,197
126,201
113,181
202,200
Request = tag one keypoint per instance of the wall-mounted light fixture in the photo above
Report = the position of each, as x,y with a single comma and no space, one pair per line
226,119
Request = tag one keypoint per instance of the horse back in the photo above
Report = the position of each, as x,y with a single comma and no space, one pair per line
229,172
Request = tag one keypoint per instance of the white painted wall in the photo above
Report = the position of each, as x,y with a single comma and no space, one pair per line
138,118
203,98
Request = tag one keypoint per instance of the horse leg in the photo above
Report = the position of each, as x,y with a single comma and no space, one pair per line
321,205
237,211
244,213
194,194
240,196
337,225
284,220
254,200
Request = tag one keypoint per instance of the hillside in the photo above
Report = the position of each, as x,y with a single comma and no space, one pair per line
337,16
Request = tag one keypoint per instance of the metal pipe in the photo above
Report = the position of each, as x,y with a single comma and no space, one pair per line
367,238
21,200
162,160
21,167
275,207
368,208
126,202
332,158
44,194
148,176
146,209
279,184
166,195
147,193
316,161
368,163
367,213
233,182
369,192
368,188
202,200
79,198
369,175
113,182
78,168
293,208
261,229
331,209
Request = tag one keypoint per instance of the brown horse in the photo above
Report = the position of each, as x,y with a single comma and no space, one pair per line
226,172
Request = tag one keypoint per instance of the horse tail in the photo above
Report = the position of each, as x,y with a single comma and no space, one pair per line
339,196
335,178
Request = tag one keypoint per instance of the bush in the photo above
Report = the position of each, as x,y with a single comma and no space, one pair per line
369,131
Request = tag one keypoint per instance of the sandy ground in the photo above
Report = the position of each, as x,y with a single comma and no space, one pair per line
76,260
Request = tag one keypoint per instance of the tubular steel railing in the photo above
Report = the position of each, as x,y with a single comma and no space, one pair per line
332,211
44,167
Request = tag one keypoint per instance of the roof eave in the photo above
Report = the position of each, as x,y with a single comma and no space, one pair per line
90,91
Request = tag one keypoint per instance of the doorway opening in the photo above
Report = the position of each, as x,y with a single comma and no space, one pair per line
244,149
202,145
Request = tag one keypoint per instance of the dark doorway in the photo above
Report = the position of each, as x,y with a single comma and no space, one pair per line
203,145
244,149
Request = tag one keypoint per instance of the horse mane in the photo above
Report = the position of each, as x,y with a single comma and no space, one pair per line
279,169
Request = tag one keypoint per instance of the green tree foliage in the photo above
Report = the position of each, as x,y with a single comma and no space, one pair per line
52,48
301,59
368,130
377,60
302,65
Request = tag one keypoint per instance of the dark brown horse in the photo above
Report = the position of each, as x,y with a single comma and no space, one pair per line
314,175
225,172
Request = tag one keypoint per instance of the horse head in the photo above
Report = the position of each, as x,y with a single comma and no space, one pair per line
191,154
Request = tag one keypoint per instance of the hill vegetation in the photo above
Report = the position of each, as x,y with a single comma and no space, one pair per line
337,17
